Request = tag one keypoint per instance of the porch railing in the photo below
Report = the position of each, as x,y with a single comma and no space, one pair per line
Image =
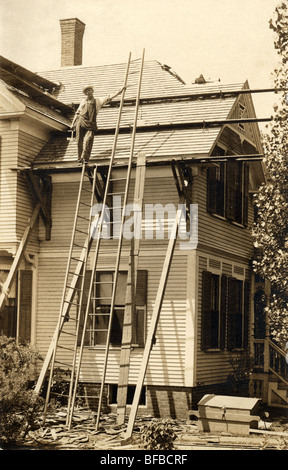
277,362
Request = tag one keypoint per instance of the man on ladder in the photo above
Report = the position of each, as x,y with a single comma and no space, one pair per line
85,121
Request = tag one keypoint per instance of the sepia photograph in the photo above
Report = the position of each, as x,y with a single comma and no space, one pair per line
143,228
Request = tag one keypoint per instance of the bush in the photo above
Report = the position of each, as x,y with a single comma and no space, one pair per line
19,406
158,435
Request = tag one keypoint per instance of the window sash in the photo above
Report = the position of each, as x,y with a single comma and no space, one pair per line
100,306
225,312
227,191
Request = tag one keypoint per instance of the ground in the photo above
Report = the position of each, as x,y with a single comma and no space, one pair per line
53,435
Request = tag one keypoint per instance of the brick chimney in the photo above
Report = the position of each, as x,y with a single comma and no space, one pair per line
72,31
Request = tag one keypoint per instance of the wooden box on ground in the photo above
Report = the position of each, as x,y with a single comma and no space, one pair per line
220,413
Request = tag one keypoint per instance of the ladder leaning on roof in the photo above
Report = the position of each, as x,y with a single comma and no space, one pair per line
93,282
79,276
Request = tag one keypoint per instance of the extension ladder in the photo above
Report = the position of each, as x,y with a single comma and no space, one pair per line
74,287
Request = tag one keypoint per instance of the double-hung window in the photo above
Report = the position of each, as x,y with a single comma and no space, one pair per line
225,312
100,309
227,190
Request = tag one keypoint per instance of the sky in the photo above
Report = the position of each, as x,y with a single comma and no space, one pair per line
228,40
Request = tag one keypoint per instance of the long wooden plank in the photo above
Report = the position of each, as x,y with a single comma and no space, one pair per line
150,341
19,256
131,291
117,264
97,248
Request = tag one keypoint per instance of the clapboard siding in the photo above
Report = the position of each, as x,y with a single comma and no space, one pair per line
167,360
218,233
214,367
8,182
17,149
167,364
29,146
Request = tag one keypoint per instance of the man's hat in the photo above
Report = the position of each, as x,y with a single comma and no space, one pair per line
89,87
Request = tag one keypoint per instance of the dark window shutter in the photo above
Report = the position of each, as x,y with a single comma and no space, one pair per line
211,189
232,309
25,305
138,325
231,190
246,194
246,313
223,310
141,289
206,310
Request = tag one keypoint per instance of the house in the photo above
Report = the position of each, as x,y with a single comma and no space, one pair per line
206,318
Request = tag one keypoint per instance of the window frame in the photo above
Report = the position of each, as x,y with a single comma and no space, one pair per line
235,182
229,322
138,335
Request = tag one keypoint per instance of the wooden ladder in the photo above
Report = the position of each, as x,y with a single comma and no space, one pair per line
75,286
62,370
109,300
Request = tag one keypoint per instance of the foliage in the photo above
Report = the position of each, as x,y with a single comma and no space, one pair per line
271,228
158,435
242,365
19,406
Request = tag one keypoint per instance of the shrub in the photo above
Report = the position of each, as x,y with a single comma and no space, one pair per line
19,406
158,435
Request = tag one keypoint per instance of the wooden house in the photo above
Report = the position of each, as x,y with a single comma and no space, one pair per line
206,319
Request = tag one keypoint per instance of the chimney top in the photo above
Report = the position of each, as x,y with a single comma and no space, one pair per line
72,31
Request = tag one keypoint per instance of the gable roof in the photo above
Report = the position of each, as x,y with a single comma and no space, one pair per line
167,113
158,79
165,101
32,91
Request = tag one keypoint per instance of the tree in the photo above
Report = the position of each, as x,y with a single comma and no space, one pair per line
271,228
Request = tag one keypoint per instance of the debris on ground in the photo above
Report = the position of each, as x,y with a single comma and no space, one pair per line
54,435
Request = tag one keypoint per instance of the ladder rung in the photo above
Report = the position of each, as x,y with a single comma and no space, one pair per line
99,314
80,246
65,347
70,318
87,396
116,194
85,218
72,303
85,204
101,298
64,363
103,282
68,333
96,330
118,179
78,259
74,274
81,231
74,288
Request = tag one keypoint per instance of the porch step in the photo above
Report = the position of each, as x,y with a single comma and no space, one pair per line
277,395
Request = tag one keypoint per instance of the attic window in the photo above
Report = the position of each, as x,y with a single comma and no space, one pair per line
227,191
242,110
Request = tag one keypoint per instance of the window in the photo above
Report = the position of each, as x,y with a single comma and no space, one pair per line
225,310
227,191
100,305
130,395
15,320
242,110
213,311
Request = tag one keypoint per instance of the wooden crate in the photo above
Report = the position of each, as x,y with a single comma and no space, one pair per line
220,413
